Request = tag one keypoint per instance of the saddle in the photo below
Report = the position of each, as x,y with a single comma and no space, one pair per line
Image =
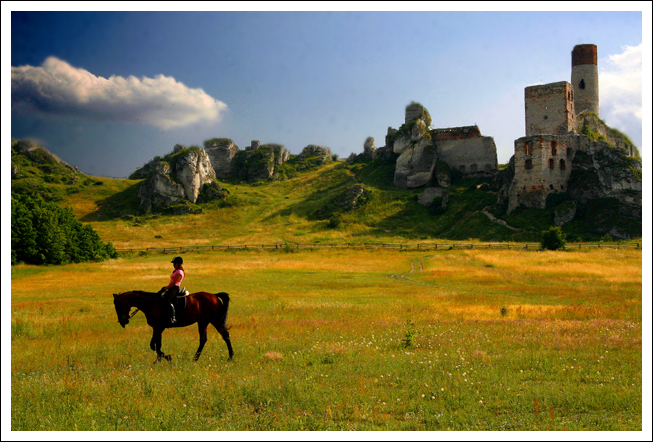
180,300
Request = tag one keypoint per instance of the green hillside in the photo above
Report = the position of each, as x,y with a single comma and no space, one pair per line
302,209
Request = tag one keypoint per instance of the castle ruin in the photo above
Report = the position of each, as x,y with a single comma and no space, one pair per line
554,114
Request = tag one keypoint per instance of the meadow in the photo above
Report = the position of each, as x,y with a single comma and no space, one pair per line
338,340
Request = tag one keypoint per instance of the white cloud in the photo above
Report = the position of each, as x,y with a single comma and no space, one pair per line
57,88
620,89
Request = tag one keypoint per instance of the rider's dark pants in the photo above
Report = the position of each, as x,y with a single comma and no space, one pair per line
170,295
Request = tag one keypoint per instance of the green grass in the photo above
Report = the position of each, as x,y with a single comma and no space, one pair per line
321,343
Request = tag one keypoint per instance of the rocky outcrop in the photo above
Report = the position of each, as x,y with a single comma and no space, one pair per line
159,190
604,171
320,154
146,170
179,176
259,162
564,213
595,129
417,153
369,153
434,195
221,152
369,149
192,169
352,197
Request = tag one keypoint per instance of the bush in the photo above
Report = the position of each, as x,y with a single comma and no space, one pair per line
46,233
553,239
335,221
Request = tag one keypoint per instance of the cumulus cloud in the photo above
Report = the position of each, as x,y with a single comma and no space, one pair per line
620,89
57,88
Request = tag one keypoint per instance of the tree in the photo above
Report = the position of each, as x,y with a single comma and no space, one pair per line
553,239
46,233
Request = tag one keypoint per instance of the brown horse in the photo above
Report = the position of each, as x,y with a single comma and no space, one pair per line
202,307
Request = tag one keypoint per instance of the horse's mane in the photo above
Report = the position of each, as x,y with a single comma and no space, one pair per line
139,292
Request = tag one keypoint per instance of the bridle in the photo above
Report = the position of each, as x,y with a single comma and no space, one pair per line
125,319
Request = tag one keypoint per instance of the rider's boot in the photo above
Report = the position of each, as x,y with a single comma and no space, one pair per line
172,319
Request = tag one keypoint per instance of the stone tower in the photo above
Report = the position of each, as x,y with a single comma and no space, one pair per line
585,78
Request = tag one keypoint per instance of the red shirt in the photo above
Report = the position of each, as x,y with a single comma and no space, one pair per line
176,278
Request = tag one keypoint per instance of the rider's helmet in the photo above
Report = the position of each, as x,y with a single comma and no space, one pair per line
177,260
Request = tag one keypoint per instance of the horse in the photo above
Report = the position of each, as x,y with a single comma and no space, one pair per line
202,308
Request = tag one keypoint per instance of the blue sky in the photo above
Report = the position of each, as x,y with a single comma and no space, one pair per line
107,91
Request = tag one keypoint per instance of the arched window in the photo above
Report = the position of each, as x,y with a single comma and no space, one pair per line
551,163
529,164
554,147
581,84
562,165
527,148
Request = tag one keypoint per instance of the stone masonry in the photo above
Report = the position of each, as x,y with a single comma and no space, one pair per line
549,109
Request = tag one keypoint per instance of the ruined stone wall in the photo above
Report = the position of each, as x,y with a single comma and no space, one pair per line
475,156
455,133
549,109
543,165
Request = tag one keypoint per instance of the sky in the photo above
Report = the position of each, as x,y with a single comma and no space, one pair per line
108,91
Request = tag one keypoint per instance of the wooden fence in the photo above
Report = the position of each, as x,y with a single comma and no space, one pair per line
401,247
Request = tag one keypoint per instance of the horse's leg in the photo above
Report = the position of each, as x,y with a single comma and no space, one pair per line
225,335
201,326
156,338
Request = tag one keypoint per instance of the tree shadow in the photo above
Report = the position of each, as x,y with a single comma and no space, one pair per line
123,203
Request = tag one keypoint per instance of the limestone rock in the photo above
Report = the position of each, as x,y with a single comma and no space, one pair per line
352,197
415,165
323,153
564,213
177,177
221,152
146,170
193,170
369,150
159,190
442,173
434,194
401,143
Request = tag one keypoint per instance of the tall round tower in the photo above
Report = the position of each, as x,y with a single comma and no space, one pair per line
585,78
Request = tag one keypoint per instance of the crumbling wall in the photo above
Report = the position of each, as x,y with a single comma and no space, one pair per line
455,133
474,156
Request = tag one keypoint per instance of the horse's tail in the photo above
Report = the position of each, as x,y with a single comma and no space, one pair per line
224,308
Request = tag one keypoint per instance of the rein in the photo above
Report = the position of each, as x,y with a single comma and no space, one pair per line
132,315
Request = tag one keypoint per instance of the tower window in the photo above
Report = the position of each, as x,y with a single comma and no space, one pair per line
529,164
581,84
551,163
527,148
562,165
554,148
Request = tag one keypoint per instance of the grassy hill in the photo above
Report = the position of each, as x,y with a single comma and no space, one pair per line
294,210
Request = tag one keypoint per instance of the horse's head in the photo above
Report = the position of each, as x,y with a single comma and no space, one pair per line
123,306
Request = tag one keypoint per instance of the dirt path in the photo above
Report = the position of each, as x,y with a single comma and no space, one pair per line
412,269
494,219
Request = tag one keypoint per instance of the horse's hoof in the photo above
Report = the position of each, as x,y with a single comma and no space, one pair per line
168,358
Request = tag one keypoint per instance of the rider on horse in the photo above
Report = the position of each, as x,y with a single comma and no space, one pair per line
170,292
